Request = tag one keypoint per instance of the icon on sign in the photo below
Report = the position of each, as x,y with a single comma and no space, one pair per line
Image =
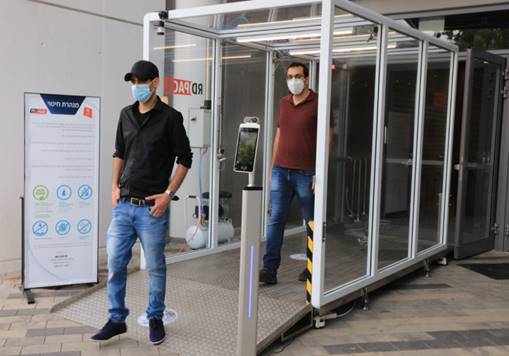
40,192
88,112
63,227
40,228
64,192
84,226
85,192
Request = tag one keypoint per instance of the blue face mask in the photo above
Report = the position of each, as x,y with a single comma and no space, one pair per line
141,92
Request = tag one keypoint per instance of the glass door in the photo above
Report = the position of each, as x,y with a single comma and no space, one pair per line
477,166
185,67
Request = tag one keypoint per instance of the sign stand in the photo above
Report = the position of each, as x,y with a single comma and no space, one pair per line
26,292
60,203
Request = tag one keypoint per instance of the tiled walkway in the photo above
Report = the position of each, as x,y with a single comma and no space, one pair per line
455,312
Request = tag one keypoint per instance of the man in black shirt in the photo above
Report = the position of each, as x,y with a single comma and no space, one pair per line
150,136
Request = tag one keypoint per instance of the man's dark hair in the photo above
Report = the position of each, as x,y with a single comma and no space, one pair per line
302,65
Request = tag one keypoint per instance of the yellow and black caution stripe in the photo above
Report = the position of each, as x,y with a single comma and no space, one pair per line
310,226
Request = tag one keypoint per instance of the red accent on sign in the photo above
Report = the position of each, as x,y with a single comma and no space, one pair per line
88,112
39,111
177,86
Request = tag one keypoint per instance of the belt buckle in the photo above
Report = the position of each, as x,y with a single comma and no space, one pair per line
136,202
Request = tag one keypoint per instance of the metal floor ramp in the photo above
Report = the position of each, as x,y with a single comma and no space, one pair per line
204,293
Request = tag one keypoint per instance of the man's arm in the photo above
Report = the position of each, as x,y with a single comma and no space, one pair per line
274,147
118,163
177,180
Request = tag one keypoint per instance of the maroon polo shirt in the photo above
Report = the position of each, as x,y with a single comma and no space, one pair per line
297,133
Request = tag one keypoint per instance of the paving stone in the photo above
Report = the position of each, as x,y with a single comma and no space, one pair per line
343,349
62,323
85,346
62,339
25,341
423,286
45,332
377,346
11,350
80,330
40,349
25,325
32,311
7,334
8,312
410,345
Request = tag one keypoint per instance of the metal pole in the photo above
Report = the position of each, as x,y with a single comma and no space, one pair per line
249,267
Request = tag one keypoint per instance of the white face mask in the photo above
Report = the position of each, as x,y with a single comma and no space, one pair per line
296,86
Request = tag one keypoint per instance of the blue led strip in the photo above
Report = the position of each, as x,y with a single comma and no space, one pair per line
251,271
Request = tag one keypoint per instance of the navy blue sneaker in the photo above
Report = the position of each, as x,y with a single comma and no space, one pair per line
156,331
109,330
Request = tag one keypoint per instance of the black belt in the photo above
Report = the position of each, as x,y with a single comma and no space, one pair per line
138,202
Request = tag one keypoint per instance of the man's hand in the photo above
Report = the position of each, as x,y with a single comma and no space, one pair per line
115,196
313,184
161,202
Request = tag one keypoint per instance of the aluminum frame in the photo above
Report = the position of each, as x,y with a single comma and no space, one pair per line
489,237
177,21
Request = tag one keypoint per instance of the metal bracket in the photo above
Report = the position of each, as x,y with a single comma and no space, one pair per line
443,261
505,90
365,299
28,295
319,322
495,229
427,268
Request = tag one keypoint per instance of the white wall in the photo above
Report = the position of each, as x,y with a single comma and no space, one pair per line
64,51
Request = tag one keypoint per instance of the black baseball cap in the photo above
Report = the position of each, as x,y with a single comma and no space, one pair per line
143,70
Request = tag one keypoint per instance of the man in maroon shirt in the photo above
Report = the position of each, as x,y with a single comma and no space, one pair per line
293,164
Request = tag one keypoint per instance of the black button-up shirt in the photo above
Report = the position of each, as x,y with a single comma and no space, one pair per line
149,144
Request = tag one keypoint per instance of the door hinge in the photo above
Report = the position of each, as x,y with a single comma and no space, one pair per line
324,231
506,232
495,229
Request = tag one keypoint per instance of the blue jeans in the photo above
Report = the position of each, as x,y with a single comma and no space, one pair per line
285,184
128,223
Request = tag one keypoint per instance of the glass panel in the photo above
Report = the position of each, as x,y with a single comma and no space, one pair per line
184,63
260,19
352,106
243,95
395,209
433,149
478,168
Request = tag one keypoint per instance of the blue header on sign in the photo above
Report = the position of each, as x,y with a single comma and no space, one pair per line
63,104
